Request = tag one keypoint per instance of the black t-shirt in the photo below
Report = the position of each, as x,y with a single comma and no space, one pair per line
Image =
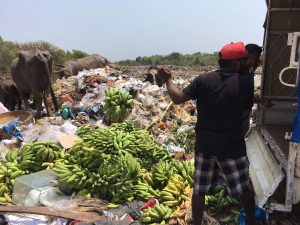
222,98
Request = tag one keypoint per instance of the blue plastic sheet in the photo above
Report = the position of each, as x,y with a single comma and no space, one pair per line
11,129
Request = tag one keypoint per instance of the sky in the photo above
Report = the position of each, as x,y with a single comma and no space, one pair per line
125,29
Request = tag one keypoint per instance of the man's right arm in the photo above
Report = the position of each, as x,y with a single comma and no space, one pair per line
177,96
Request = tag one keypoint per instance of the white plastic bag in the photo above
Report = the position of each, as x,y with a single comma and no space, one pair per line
50,133
68,128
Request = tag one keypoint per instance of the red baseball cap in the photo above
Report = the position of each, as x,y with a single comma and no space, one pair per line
234,51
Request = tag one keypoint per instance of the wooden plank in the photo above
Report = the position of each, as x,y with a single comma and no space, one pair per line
75,213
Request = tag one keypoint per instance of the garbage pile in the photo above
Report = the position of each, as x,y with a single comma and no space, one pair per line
118,139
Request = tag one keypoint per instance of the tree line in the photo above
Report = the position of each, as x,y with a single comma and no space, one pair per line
176,59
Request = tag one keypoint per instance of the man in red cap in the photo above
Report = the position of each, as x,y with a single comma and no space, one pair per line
223,97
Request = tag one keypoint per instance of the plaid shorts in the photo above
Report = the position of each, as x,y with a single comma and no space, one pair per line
233,171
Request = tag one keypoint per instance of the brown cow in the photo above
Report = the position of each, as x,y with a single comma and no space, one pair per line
72,67
31,72
9,94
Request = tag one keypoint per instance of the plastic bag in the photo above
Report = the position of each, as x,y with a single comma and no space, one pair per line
3,109
3,150
153,90
161,138
185,128
68,128
150,101
50,133
163,105
140,122
31,134
86,99
53,197
177,151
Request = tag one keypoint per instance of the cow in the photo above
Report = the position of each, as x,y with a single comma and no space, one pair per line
72,67
31,72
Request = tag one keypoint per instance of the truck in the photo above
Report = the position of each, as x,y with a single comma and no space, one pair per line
272,146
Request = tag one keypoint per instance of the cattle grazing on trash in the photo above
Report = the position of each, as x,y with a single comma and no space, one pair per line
32,72
72,67
9,95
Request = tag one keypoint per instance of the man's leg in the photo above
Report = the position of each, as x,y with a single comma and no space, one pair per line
198,203
236,176
247,199
204,173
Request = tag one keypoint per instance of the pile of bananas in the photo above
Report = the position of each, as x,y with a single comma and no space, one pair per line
84,129
162,172
73,175
31,157
111,184
144,191
158,214
115,180
8,174
187,170
123,138
4,193
219,200
145,177
12,156
83,155
116,104
109,177
126,126
176,193
233,217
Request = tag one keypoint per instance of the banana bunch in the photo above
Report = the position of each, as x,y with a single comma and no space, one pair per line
126,126
162,172
116,104
12,156
32,156
176,193
131,166
219,200
123,192
109,184
157,215
85,156
145,177
84,129
139,143
4,193
161,154
187,170
102,140
8,173
233,217
122,140
144,191
73,175
13,171
114,180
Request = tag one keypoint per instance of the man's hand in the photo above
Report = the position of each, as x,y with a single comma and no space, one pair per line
164,74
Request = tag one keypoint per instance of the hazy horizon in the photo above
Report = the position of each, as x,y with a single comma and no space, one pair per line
121,30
